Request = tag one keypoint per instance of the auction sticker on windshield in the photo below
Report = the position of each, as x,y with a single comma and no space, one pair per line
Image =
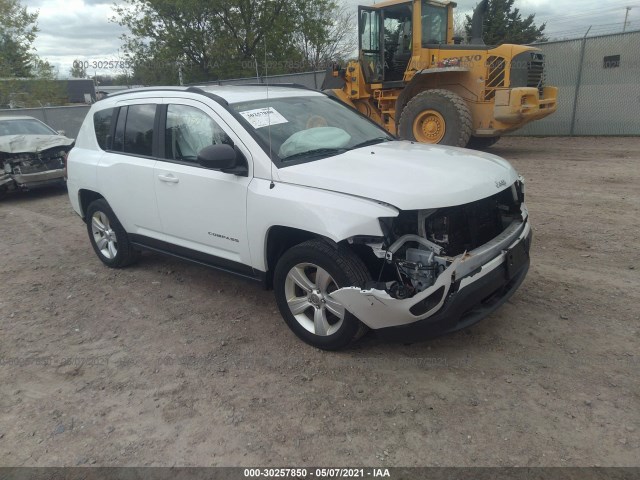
263,117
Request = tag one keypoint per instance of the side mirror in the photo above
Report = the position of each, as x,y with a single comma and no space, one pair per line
225,158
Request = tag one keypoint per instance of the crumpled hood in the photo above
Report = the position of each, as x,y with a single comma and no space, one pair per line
32,143
409,176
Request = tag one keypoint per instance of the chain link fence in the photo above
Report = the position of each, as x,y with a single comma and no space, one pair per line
599,86
308,79
69,119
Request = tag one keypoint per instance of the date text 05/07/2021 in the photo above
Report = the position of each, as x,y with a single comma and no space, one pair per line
316,473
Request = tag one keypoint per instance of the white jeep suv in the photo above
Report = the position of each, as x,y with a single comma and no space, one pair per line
353,229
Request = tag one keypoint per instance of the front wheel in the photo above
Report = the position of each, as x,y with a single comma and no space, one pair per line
304,280
436,116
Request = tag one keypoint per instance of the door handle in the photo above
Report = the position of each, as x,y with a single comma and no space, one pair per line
168,178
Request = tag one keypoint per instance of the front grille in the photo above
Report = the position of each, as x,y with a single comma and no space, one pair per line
535,73
528,70
467,227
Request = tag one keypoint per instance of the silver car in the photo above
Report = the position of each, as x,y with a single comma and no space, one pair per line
32,154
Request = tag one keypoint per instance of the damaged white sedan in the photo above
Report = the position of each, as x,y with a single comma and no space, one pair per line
353,229
32,155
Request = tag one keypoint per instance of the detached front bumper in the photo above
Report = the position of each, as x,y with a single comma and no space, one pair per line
39,179
473,286
464,308
518,106
5,180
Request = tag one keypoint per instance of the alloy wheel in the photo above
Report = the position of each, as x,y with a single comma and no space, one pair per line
308,289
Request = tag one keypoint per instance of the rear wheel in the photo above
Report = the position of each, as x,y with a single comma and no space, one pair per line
108,237
304,280
436,116
481,143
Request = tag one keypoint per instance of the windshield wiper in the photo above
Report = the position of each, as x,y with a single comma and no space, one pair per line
373,141
317,151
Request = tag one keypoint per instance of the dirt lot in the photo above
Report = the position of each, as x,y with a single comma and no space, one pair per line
168,363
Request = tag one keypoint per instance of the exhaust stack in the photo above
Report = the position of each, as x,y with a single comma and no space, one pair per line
477,23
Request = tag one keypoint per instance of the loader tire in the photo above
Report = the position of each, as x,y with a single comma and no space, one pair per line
436,116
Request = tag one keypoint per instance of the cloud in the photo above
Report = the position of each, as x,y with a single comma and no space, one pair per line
76,29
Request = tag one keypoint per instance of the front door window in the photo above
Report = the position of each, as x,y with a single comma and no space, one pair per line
372,62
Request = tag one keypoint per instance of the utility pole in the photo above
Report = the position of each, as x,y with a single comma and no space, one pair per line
626,17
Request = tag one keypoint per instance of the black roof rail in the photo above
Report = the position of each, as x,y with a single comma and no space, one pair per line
197,90
216,83
145,89
200,91
212,96
271,85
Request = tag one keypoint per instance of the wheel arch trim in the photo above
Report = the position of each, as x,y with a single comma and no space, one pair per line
319,214
85,198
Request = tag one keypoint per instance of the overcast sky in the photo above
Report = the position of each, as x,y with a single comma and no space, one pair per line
80,29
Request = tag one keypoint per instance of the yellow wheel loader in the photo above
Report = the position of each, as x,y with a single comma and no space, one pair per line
419,82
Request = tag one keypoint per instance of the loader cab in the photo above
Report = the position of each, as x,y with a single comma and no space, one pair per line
386,41
388,36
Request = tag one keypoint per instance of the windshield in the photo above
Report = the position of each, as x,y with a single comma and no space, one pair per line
308,128
24,127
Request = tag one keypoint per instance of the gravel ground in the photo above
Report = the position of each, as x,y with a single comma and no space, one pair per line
169,363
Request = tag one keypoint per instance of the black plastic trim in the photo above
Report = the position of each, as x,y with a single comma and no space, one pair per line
270,85
194,256
143,90
210,95
393,84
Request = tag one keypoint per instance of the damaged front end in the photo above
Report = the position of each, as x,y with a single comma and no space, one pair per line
444,267
32,161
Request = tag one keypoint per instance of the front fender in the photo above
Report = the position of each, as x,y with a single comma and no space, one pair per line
329,214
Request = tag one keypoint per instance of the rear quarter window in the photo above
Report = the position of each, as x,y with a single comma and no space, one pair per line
102,121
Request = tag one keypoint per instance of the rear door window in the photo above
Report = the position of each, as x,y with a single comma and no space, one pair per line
138,133
118,138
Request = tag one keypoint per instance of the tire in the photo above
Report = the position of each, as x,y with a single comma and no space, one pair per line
436,116
482,143
108,237
309,311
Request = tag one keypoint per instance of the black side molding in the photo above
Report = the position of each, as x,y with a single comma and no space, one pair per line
145,243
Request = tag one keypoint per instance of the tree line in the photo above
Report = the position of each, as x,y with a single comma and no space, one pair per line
195,40
26,79
189,41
